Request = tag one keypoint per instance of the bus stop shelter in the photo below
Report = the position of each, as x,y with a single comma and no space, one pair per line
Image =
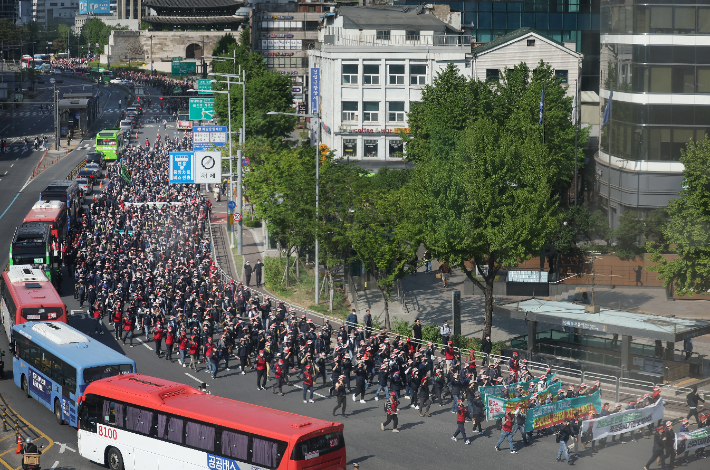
585,331
76,115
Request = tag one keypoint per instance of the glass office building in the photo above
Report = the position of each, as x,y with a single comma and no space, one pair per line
655,57
562,20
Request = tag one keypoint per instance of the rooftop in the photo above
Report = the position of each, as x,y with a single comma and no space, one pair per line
569,314
516,35
386,17
188,4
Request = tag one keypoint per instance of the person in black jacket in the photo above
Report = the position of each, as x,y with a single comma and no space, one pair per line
564,433
486,348
693,398
478,417
424,397
247,273
658,445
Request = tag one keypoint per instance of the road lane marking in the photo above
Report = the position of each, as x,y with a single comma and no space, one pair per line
194,378
63,447
144,344
8,207
56,463
314,393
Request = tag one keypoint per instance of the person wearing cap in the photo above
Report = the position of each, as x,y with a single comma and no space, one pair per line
308,383
247,273
658,448
669,434
564,434
692,399
278,377
486,348
519,424
445,332
339,392
506,432
351,322
391,411
449,355
368,324
685,427
461,415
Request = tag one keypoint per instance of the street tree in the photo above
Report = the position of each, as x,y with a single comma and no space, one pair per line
266,90
688,227
487,192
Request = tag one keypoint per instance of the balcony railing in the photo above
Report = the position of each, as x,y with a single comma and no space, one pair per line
461,41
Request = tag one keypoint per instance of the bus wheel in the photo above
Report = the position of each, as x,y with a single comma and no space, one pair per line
58,412
25,386
114,459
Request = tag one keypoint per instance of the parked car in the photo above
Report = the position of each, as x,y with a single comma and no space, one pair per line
89,174
85,186
96,157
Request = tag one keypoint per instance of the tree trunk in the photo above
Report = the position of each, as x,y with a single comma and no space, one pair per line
288,262
298,262
387,314
488,293
330,279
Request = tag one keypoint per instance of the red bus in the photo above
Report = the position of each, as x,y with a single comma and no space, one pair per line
53,213
27,295
136,421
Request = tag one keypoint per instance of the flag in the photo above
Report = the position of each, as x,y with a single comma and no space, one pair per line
574,110
542,106
125,174
607,110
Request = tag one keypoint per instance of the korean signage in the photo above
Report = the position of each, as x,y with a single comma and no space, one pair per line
195,167
184,68
498,407
315,89
209,137
40,386
204,86
687,441
182,167
583,325
201,108
621,422
215,462
545,416
94,6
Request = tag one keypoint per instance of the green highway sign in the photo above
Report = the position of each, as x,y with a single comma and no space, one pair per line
177,59
184,68
204,86
201,108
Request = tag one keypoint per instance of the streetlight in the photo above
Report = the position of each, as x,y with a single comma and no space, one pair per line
151,54
317,117
242,139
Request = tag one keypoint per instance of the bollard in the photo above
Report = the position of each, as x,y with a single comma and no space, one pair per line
4,419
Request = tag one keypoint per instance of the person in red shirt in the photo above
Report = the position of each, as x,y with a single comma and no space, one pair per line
209,352
308,383
450,354
169,340
278,376
391,410
117,316
193,348
182,346
158,337
98,329
261,371
507,432
127,329
461,415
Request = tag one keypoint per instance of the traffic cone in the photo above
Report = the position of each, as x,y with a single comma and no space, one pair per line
19,444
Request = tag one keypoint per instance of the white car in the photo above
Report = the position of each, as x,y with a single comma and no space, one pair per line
117,81
85,186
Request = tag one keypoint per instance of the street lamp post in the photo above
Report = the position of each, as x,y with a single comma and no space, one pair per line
242,137
151,54
317,118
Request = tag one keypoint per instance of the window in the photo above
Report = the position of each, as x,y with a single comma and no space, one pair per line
383,35
138,420
350,110
264,452
235,445
492,75
562,75
350,74
370,111
417,74
371,148
170,428
395,111
350,148
531,42
200,436
371,74
396,74
102,372
323,444
395,148
412,35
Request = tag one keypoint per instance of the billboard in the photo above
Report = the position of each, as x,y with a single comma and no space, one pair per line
91,7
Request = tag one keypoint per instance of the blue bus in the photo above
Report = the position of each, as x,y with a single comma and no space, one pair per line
53,363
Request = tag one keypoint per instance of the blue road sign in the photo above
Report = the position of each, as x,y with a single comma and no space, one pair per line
209,137
232,205
182,167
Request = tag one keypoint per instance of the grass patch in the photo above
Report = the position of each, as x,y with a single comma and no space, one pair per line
301,290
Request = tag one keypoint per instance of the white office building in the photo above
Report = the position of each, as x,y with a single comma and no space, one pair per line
374,62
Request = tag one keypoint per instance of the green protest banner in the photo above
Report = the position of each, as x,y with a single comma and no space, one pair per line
496,390
687,441
545,416
497,407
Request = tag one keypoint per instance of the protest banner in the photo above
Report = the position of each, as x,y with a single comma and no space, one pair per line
497,407
496,390
545,416
621,422
687,441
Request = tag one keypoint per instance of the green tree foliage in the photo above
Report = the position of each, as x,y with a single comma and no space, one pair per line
688,227
265,91
224,45
96,31
628,235
486,191
579,224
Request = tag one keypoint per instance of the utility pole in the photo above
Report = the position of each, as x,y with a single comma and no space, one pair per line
242,139
56,119
151,55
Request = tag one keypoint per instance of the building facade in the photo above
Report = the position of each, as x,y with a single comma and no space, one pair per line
561,20
374,62
655,58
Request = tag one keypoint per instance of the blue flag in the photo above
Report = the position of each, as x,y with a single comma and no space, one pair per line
607,110
542,106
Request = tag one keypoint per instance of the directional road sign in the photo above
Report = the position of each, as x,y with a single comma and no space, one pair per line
201,108
204,86
184,68
209,137
182,167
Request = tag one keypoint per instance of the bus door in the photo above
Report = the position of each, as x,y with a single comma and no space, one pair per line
69,397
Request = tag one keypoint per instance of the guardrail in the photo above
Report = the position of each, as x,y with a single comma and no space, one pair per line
72,174
10,421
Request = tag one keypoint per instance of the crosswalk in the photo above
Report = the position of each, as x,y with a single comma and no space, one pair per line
15,148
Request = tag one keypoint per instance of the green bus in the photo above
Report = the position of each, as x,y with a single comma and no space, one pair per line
101,74
111,142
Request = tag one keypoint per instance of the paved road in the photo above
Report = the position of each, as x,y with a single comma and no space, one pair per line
422,442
